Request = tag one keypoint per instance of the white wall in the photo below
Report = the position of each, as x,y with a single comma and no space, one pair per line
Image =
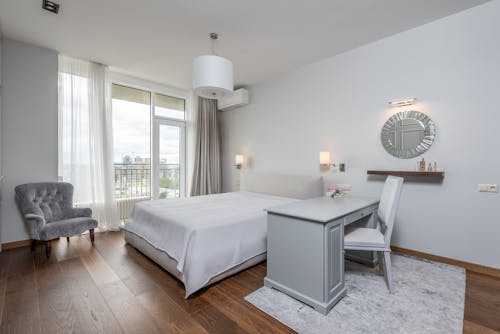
340,104
29,125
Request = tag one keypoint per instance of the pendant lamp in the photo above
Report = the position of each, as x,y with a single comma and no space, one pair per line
212,75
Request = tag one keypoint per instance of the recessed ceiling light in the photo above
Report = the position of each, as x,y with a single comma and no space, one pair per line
50,6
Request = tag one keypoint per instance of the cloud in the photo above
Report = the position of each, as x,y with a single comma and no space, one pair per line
132,133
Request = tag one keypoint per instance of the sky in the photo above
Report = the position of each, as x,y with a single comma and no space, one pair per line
132,133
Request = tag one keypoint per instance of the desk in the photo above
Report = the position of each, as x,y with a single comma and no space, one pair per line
305,247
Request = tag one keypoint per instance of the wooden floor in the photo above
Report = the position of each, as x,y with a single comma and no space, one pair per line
112,288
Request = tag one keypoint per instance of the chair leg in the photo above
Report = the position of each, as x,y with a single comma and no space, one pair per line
381,266
33,245
48,248
67,239
92,236
388,271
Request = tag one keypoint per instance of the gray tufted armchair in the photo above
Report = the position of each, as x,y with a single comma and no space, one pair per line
49,213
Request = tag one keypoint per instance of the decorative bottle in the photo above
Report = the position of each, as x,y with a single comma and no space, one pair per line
422,165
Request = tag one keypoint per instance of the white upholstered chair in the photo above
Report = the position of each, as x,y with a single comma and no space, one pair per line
378,239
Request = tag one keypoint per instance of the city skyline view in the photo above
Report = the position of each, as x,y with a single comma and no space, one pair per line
132,133
129,159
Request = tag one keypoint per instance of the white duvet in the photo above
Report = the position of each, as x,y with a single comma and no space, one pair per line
206,235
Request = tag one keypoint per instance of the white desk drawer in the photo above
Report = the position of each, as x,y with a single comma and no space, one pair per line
360,214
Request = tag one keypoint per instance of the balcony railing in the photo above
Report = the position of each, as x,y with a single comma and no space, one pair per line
133,184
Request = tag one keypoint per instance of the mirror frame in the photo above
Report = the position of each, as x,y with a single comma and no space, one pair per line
423,146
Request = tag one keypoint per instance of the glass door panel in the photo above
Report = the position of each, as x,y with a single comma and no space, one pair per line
169,180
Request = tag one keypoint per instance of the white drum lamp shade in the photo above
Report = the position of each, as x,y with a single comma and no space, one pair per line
212,77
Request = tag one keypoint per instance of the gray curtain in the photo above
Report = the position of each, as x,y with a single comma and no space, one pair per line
207,171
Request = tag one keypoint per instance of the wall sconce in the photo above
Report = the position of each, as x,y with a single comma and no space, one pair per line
325,163
403,103
238,161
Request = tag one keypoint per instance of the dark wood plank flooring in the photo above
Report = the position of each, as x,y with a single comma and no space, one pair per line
113,288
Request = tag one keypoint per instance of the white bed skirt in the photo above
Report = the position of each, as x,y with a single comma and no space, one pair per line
170,264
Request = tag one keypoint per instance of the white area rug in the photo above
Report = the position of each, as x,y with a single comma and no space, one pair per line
429,298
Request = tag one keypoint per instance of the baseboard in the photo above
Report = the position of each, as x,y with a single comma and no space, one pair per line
21,243
467,265
16,244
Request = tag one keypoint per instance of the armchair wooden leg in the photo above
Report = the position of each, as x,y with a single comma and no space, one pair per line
33,245
92,236
67,239
48,248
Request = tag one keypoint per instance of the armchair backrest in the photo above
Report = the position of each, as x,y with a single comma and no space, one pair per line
388,207
51,200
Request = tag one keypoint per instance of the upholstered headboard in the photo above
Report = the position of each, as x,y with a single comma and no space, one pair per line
294,186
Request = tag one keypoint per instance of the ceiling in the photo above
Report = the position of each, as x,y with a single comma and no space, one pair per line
158,39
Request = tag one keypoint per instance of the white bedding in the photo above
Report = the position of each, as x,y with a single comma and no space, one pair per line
206,235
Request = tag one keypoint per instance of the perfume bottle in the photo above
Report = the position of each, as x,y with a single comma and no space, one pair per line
421,167
435,166
429,167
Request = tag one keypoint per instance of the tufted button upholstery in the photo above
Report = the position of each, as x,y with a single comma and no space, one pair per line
50,200
48,210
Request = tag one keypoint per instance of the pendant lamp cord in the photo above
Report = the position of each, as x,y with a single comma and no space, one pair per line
213,37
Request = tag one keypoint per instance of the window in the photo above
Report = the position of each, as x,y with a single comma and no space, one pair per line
84,145
73,88
169,139
170,107
149,144
131,142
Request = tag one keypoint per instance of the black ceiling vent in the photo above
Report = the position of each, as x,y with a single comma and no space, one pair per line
51,6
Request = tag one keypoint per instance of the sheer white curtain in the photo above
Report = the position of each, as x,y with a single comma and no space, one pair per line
85,137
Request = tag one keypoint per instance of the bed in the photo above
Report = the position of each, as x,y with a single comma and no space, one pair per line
201,240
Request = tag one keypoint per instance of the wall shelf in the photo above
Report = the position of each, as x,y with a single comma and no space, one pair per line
405,173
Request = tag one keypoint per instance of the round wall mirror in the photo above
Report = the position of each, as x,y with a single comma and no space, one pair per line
408,134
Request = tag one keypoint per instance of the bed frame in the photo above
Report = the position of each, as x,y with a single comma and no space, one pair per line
170,264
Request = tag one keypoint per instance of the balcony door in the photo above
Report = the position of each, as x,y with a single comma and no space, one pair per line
169,159
149,126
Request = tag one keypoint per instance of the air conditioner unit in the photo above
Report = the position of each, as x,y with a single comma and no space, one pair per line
238,99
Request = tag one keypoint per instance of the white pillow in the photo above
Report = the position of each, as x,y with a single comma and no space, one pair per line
293,186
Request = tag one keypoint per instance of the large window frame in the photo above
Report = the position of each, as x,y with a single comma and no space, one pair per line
155,121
